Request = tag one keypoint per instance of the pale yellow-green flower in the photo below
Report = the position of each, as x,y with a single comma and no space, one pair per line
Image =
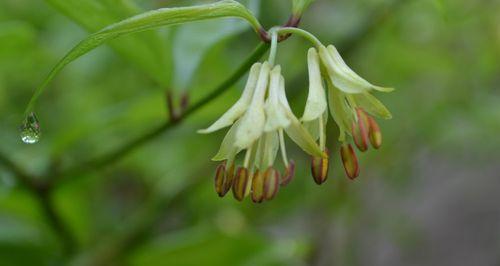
259,119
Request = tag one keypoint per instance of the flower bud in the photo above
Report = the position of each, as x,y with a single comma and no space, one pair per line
349,160
240,183
374,133
229,178
271,183
289,173
360,130
258,187
319,168
220,180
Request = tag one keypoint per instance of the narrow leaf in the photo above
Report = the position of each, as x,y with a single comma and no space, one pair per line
148,50
146,21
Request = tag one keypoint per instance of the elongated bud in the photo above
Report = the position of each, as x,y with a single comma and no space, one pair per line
349,160
375,133
271,183
289,174
240,183
360,130
220,180
229,177
258,187
319,168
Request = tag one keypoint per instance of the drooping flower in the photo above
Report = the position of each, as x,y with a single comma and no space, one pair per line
315,116
239,108
262,116
259,120
352,106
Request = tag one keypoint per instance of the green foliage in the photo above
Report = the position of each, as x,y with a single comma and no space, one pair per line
145,21
435,175
148,50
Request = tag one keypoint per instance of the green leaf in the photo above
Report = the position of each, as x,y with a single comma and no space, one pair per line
146,21
145,50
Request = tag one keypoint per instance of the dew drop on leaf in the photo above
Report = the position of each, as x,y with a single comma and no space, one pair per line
30,129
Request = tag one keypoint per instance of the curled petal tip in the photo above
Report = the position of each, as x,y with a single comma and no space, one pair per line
383,89
204,131
349,160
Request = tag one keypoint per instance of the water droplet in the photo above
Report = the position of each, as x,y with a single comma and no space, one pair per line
30,130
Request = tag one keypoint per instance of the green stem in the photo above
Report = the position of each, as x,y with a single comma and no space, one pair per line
274,47
308,36
299,6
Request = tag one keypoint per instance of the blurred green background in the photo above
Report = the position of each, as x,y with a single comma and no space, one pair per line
429,196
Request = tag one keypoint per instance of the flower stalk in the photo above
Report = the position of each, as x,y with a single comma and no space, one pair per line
262,115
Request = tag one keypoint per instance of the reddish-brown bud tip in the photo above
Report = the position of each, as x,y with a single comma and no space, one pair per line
360,130
229,177
349,160
289,174
223,179
319,168
258,187
375,133
240,183
220,180
271,183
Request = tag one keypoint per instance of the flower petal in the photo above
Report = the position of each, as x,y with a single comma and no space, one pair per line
253,121
267,150
313,126
341,75
338,76
340,111
227,150
270,148
275,115
295,130
239,108
372,105
316,100
302,138
347,70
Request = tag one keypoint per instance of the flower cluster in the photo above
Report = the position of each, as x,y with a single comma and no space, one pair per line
262,116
